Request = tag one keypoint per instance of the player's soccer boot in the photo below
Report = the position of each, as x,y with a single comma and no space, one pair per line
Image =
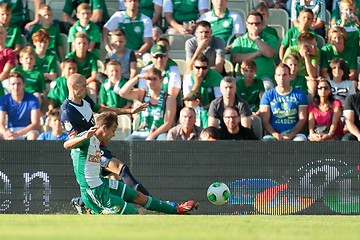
79,208
186,207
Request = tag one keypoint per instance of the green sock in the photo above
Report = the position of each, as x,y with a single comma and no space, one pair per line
154,204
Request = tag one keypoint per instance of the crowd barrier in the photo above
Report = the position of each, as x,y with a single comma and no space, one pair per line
272,178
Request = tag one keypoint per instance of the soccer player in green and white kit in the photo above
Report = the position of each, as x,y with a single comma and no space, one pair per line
104,195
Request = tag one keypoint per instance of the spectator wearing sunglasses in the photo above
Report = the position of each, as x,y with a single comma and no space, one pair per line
259,46
204,80
324,115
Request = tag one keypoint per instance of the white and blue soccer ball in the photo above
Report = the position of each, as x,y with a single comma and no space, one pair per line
218,193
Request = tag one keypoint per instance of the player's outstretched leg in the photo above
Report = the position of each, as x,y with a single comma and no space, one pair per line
154,204
129,180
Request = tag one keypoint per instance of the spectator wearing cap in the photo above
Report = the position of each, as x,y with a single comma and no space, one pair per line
186,129
194,100
170,72
204,80
204,43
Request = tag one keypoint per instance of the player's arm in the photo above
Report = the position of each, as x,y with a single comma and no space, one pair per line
73,142
124,110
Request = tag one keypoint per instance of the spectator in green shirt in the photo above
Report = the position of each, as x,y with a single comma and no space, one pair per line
296,81
45,60
34,80
13,39
86,62
84,24
248,86
46,22
108,90
58,88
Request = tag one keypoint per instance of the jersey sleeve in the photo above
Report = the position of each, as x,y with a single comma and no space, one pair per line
168,6
68,7
148,28
203,4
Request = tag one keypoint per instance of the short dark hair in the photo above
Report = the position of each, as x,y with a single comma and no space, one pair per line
203,24
256,14
16,74
202,58
106,118
343,66
213,132
283,65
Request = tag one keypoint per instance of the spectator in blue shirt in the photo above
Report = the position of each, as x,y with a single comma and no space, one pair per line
22,110
55,124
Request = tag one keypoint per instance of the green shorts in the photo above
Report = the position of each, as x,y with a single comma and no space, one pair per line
111,197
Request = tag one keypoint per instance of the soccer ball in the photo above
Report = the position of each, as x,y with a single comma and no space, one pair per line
218,193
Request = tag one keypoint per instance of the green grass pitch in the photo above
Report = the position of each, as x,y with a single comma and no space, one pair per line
178,227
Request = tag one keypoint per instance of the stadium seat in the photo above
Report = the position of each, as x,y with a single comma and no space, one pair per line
241,12
279,17
177,41
279,29
229,68
112,4
140,64
135,122
57,7
101,66
182,66
177,44
23,41
58,69
257,126
327,22
111,11
124,127
358,64
239,4
320,41
65,44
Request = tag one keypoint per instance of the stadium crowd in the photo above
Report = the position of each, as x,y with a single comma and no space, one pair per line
219,69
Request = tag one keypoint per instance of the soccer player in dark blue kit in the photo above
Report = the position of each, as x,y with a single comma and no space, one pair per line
77,116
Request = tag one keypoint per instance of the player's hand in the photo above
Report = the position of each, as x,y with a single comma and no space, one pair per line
91,132
139,108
